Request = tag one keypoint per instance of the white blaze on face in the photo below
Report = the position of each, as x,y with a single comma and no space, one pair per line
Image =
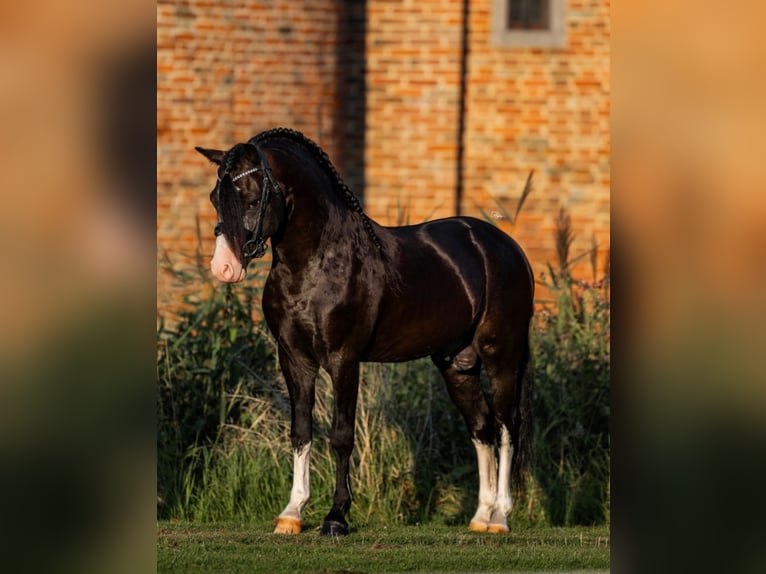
225,265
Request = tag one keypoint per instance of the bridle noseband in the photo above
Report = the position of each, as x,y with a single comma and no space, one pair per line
269,184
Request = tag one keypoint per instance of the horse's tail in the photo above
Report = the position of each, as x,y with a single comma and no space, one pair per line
522,431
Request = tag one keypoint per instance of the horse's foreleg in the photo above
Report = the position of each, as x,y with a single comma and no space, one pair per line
345,378
299,375
290,520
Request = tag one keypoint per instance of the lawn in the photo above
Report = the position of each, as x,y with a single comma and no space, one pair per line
231,548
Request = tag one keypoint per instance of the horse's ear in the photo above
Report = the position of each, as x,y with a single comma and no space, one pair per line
214,155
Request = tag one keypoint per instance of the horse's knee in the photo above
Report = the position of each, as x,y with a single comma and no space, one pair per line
301,421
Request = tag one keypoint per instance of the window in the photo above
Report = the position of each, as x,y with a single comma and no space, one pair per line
528,15
528,23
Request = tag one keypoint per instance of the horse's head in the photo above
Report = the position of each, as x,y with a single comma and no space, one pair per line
250,207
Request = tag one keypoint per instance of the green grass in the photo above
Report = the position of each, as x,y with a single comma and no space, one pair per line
236,547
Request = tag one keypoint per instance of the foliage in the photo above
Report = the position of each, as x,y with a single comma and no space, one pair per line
571,356
207,364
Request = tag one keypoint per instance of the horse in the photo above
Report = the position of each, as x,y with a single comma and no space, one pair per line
343,290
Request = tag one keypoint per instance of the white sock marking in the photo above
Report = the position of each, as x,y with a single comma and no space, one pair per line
300,493
485,455
503,504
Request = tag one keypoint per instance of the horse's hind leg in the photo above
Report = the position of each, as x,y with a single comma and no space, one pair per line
464,387
505,360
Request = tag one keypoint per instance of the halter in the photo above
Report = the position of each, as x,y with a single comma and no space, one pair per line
269,184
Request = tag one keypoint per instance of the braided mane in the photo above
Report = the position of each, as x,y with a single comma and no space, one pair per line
232,157
319,154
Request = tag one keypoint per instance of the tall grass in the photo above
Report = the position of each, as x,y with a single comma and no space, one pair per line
223,421
571,357
570,348
207,367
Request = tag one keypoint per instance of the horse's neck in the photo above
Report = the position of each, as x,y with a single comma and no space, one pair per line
317,220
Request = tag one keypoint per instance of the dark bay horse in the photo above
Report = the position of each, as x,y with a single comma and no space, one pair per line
343,290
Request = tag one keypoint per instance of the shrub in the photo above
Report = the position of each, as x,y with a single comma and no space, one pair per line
571,357
207,366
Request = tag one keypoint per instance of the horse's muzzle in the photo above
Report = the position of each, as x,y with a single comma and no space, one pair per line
225,265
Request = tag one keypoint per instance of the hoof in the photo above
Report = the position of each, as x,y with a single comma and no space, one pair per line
287,525
334,528
477,526
498,528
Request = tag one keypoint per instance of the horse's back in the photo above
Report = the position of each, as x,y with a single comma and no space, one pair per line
478,250
447,271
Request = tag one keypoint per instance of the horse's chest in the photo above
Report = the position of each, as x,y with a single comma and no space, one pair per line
327,296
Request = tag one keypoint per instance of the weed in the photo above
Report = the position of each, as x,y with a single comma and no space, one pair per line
571,355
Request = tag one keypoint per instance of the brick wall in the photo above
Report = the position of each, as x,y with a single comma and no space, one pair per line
377,83
541,109
413,89
547,110
230,69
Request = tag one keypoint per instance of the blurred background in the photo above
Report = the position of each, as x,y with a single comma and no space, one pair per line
689,214
89,100
77,289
